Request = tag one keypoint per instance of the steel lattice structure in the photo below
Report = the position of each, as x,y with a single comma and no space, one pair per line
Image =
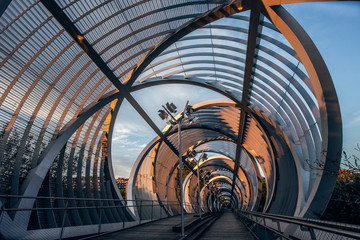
67,66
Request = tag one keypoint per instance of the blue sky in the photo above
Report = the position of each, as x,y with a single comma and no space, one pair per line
335,29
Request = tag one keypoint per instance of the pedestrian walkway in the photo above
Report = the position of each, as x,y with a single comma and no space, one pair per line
161,229
227,227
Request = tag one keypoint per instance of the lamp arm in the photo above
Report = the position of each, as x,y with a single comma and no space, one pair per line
169,113
187,103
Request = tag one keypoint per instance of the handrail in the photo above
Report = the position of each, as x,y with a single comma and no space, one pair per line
343,226
125,202
82,199
346,230
154,206
75,208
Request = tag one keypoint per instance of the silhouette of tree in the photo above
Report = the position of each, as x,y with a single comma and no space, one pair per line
344,205
350,163
7,163
10,153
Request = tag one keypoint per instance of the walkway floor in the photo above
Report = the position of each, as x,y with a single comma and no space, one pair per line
227,227
161,229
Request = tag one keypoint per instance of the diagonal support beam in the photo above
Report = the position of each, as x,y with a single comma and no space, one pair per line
254,30
4,4
148,120
70,28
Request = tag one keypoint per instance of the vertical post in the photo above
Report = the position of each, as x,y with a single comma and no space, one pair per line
181,180
279,228
2,210
140,212
205,206
99,228
312,233
63,221
123,210
152,209
199,198
266,234
160,210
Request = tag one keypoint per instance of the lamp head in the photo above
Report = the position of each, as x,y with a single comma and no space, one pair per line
189,110
191,153
163,115
171,107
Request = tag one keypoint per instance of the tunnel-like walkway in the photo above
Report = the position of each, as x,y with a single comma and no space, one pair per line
70,68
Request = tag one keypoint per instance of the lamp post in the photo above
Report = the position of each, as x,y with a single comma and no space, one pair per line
203,157
205,179
164,114
198,175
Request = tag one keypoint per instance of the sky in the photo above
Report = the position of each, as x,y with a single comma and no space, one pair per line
335,29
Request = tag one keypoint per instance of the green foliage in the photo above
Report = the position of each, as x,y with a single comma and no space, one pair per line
123,193
344,205
263,196
16,156
185,172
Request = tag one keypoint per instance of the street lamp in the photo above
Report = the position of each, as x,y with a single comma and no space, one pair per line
203,156
164,114
205,184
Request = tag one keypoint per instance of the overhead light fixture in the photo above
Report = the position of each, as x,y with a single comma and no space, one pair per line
163,115
189,110
171,107
191,154
80,38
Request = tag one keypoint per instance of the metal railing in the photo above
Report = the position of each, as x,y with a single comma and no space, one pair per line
64,209
272,226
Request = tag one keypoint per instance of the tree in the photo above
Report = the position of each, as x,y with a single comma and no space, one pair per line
350,163
123,193
263,196
344,205
185,172
10,156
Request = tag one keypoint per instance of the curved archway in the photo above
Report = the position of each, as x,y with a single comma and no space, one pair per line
67,68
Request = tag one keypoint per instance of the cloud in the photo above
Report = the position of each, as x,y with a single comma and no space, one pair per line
122,169
130,127
129,138
353,120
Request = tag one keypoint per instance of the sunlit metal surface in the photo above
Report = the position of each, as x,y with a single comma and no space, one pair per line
67,66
